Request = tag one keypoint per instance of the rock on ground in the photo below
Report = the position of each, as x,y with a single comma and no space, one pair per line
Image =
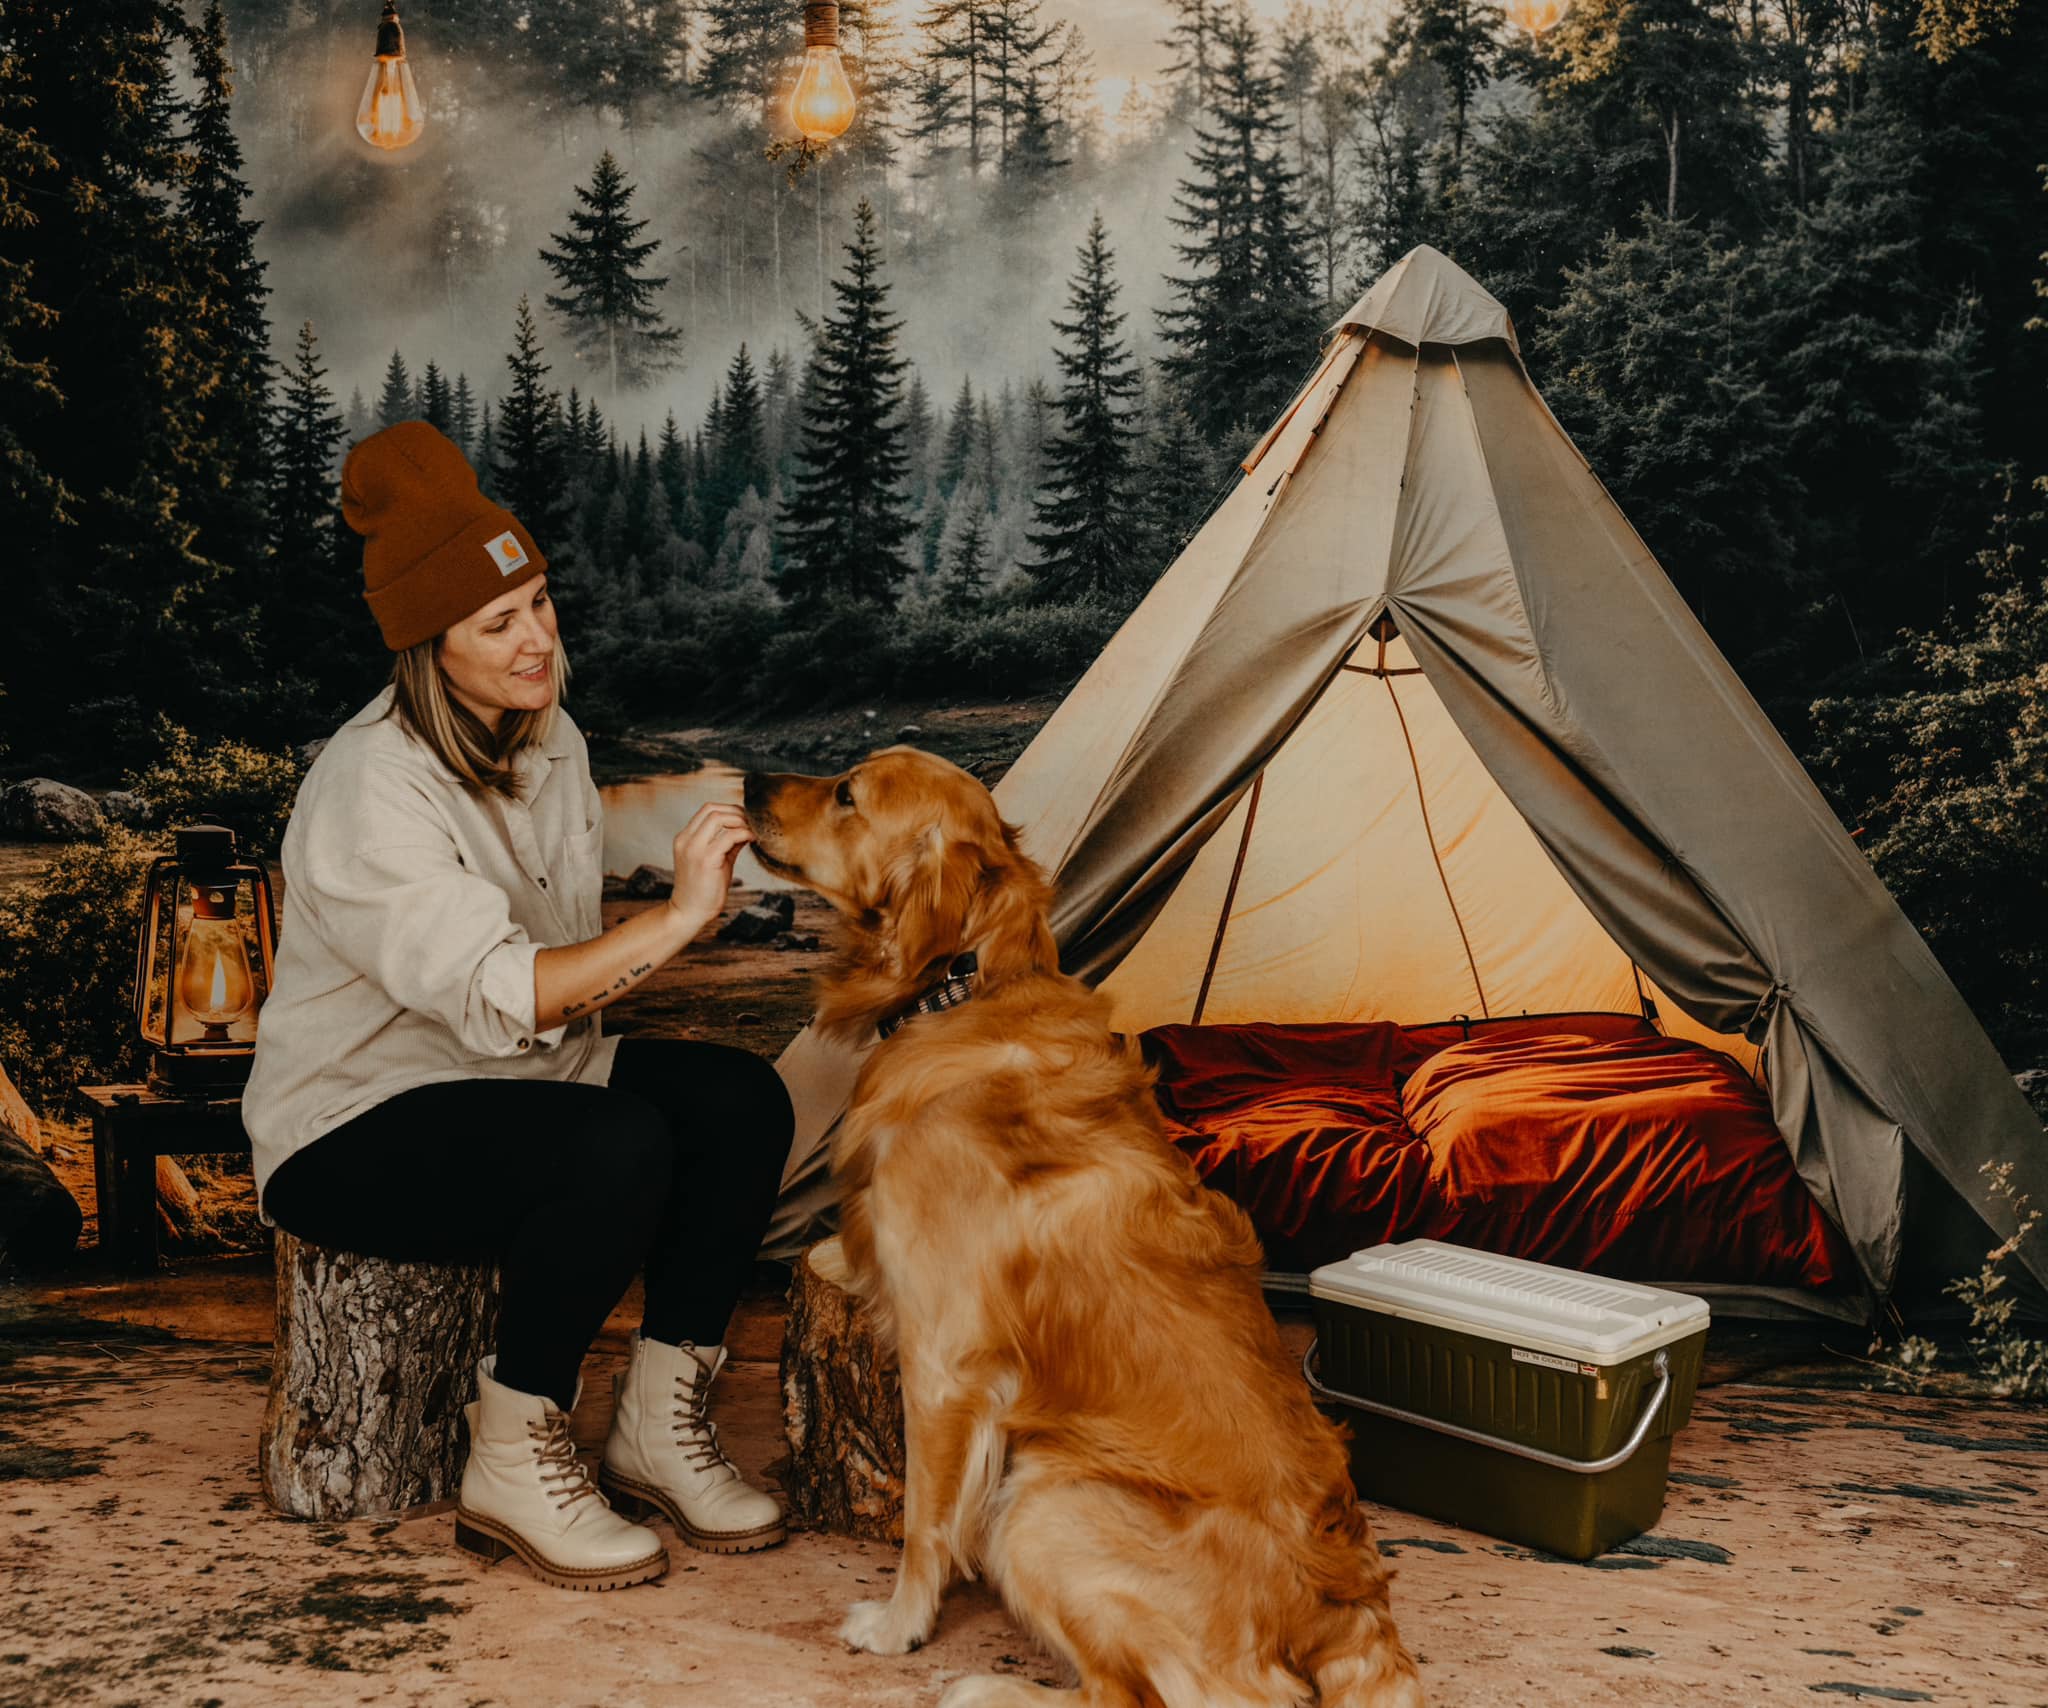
125,806
39,1219
41,809
772,915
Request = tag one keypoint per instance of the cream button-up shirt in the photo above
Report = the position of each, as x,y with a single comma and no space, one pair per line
413,910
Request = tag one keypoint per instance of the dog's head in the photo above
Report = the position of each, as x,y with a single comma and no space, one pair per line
913,854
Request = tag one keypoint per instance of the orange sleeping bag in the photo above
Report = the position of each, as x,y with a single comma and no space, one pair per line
1610,1149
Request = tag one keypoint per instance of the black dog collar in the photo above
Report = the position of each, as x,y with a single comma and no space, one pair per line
955,988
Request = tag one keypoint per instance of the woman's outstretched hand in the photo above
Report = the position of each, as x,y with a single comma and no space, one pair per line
705,850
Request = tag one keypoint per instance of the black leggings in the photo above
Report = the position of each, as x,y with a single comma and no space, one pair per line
569,1189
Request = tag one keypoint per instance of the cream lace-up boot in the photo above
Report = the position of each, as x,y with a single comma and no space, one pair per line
663,1454
525,1492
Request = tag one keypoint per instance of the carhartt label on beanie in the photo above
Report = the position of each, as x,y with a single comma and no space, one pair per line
435,548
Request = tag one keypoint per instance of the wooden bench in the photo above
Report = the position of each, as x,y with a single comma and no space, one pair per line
131,1127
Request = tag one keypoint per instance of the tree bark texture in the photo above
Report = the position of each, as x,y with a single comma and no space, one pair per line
842,1408
372,1365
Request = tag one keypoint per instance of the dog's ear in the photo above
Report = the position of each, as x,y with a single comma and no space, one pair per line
930,892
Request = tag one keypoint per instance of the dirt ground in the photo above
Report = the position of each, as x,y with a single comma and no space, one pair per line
1818,1540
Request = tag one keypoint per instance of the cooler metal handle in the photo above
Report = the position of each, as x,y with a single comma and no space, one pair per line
1557,1461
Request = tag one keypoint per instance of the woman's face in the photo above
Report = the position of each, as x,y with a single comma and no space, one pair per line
501,658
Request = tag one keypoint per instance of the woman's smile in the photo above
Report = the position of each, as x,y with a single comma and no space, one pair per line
539,673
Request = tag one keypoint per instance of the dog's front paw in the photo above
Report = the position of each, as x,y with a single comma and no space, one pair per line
883,1628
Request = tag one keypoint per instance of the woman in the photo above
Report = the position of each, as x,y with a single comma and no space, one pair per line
432,1081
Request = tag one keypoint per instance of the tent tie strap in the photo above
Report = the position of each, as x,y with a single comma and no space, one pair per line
952,990
1758,1027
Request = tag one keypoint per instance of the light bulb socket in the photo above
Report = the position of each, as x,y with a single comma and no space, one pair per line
391,38
821,23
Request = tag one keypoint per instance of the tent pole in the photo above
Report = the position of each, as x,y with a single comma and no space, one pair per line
1251,812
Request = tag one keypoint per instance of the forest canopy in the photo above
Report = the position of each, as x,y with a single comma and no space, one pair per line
930,417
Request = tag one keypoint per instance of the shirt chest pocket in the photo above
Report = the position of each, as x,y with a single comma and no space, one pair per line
581,878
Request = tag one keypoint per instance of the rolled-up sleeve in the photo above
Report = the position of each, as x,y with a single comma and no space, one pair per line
437,938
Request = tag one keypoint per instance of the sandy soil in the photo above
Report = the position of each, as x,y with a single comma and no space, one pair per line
1814,1542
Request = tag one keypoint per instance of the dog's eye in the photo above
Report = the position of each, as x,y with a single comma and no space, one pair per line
844,793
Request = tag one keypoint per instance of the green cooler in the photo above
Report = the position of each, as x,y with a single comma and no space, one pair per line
1524,1401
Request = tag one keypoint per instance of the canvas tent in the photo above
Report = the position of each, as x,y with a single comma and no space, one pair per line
1416,727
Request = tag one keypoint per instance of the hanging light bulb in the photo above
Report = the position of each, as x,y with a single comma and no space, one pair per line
822,106
389,115
1536,17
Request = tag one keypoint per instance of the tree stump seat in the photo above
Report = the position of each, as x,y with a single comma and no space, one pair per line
842,1408
371,1367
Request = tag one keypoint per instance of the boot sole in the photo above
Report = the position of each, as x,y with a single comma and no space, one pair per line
491,1542
641,1500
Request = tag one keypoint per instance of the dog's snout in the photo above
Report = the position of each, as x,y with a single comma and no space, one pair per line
754,791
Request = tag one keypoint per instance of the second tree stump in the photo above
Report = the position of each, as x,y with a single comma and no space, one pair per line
372,1365
842,1408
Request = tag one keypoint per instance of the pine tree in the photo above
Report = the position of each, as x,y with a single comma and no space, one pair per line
360,424
1087,525
436,400
751,51
33,499
395,402
110,612
1177,490
1243,326
312,609
462,414
526,448
918,426
308,435
956,72
958,450
1674,71
228,497
1192,41
1458,40
739,449
672,469
606,301
846,521
967,565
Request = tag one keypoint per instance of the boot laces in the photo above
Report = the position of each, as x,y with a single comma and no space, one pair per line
695,1433
561,1471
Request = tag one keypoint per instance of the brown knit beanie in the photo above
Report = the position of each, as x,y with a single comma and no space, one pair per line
434,547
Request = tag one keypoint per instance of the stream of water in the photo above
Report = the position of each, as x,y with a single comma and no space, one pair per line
641,819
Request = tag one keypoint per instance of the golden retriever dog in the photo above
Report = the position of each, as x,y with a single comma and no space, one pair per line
1099,1415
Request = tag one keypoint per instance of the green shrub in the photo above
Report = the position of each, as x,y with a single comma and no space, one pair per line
67,970
2007,1364
228,782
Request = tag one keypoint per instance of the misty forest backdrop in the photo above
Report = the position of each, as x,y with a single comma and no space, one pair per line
927,418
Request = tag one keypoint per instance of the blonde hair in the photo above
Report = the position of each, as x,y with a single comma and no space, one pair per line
480,756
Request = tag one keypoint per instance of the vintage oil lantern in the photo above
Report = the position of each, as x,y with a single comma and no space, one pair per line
203,965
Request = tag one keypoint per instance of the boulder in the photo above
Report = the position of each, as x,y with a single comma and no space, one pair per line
761,923
797,940
125,806
39,1219
910,732
648,883
41,809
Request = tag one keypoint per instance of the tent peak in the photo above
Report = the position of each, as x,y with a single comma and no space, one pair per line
1427,298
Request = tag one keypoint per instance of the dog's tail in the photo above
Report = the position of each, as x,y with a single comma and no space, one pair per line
1368,1667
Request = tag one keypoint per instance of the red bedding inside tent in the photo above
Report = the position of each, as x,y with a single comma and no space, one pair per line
1590,1141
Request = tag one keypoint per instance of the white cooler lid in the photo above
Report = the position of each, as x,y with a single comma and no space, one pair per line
1533,1305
